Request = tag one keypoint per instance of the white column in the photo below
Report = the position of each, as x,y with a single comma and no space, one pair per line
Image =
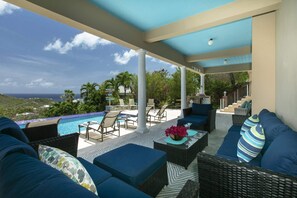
183,89
141,121
202,84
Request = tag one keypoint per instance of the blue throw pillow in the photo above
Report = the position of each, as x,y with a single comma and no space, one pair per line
201,109
250,144
248,123
281,155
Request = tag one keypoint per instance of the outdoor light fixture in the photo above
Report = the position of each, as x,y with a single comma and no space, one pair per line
225,61
210,41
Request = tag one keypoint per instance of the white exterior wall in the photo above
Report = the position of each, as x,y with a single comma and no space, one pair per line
286,63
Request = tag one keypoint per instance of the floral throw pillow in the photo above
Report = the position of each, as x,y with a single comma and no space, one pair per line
68,165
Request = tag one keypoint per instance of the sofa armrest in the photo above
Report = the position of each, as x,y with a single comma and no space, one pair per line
187,111
211,121
239,119
66,143
219,177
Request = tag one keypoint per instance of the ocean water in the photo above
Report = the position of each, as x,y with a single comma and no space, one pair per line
54,97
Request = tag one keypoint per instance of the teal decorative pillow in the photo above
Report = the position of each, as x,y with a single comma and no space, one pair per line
248,123
251,143
67,164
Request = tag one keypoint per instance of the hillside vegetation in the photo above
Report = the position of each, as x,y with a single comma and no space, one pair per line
19,109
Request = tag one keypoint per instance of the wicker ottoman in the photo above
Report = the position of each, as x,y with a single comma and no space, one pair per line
143,167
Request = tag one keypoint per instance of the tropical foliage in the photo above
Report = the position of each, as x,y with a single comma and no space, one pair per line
161,86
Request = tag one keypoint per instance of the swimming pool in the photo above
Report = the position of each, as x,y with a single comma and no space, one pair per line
69,124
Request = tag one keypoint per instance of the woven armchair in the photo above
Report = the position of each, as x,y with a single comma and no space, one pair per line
66,143
219,177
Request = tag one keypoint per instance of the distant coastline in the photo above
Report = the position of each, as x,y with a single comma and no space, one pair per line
54,97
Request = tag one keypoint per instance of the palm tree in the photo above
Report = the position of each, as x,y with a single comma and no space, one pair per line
125,79
112,83
68,96
88,90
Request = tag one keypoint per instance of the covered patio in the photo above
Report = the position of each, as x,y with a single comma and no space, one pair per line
206,37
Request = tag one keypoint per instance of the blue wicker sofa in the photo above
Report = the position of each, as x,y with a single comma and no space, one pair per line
23,175
202,116
273,173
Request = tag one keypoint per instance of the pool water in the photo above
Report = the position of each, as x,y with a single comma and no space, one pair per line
68,126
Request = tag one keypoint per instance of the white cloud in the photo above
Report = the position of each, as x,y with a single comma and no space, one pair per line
39,83
160,61
124,58
114,73
83,40
8,82
6,8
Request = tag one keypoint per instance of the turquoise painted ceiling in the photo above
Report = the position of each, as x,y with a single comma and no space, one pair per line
150,14
226,61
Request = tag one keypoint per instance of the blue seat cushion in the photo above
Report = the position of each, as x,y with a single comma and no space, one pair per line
97,174
272,126
9,127
116,188
201,109
228,149
281,155
196,120
27,177
132,163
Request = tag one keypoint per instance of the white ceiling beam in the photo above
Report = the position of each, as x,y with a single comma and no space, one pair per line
86,16
219,54
235,11
228,68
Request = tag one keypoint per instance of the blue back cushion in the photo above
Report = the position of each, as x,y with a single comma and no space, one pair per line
9,127
281,156
272,126
10,144
201,109
27,177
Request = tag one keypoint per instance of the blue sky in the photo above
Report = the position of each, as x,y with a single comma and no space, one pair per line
40,55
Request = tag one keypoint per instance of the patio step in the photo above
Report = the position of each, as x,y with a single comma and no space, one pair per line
230,108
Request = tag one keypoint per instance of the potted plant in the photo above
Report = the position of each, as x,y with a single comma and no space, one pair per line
176,132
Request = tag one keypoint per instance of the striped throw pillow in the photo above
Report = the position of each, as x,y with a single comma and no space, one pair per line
251,143
248,123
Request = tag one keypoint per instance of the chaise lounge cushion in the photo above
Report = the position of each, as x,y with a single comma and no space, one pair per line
272,126
132,163
201,109
97,174
281,156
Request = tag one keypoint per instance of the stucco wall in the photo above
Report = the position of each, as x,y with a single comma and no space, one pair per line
263,55
286,62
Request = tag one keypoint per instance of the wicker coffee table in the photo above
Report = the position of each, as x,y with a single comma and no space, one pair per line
185,153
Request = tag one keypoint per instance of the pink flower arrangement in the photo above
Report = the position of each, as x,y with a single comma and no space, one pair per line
180,131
